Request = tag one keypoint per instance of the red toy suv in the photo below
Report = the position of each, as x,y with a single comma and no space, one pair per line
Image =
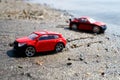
39,42
86,23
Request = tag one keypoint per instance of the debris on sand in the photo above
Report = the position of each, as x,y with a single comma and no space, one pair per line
38,62
69,59
20,67
74,46
102,73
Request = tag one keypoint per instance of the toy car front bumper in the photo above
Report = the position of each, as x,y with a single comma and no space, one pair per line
104,27
17,48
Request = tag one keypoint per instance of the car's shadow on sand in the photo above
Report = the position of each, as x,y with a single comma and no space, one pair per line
82,31
76,30
13,54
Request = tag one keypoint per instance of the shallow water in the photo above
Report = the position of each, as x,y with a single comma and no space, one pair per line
102,10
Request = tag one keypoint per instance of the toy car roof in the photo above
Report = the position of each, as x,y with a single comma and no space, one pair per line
84,17
45,32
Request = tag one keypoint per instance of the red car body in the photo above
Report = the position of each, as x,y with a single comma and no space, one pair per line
87,23
40,41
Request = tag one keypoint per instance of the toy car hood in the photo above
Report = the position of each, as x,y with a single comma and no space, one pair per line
99,23
23,39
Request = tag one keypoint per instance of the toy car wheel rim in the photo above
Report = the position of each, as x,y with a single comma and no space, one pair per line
59,47
74,26
96,29
30,51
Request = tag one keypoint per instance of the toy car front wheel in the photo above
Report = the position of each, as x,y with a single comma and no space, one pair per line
30,51
96,29
74,27
59,47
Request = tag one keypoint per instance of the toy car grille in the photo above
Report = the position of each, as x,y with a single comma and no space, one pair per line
15,44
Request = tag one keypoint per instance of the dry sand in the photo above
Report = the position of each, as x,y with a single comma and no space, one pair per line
86,57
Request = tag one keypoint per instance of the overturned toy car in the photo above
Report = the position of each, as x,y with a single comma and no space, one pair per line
39,42
88,24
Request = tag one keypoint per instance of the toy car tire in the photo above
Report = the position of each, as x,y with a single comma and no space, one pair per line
59,47
96,29
30,51
74,27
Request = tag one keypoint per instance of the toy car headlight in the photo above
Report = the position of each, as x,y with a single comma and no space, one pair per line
21,44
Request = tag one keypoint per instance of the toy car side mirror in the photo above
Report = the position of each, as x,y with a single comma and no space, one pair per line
70,20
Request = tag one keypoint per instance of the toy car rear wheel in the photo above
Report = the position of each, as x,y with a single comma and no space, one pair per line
74,27
96,29
59,47
30,51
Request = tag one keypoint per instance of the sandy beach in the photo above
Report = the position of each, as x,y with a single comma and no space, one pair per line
87,56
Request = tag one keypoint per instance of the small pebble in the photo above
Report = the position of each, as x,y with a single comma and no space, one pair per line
81,59
69,63
102,73
69,59
20,67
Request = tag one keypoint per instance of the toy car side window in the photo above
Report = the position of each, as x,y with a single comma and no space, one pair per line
53,36
47,37
44,37
84,20
56,36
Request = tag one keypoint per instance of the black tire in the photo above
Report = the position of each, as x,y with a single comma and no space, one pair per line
30,51
96,29
74,26
59,47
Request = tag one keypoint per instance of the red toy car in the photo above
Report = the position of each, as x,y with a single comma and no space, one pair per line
39,42
86,23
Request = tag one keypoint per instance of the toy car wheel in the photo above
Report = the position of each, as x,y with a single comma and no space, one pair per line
59,47
74,26
96,29
30,51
